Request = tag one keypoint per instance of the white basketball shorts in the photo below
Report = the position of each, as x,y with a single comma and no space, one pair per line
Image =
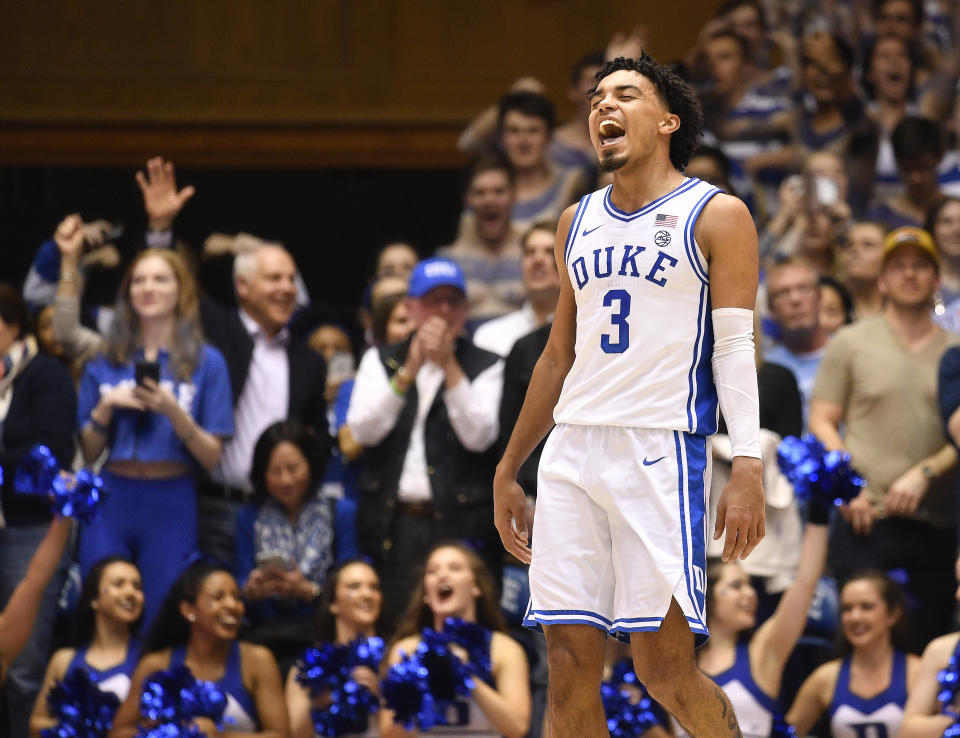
620,529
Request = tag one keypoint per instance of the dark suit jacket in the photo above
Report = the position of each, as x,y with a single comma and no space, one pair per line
308,371
517,372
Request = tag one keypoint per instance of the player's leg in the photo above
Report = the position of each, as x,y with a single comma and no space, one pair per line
575,661
665,662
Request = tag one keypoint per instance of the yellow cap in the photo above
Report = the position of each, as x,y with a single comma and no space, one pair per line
910,236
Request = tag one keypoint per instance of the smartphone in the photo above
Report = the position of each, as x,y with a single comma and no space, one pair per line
146,370
827,190
273,563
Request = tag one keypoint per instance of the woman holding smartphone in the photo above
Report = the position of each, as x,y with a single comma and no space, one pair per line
284,542
158,401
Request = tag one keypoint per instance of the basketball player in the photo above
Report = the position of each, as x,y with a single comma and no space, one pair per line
659,278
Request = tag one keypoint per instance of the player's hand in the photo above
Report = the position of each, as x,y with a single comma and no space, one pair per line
741,509
510,515
905,493
859,513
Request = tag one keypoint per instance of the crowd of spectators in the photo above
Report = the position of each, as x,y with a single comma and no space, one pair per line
267,467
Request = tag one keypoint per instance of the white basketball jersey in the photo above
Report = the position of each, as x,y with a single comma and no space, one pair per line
644,333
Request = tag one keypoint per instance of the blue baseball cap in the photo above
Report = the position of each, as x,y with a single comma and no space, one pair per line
431,273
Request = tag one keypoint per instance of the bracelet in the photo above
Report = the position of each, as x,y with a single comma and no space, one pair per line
396,387
68,276
101,429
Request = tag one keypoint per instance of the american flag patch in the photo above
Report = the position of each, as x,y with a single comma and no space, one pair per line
667,221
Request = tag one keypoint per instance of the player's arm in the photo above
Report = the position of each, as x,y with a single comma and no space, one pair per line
728,238
536,415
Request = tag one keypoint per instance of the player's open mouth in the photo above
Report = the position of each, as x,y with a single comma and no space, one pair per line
444,591
610,132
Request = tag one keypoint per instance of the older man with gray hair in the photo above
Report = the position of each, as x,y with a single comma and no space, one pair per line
273,378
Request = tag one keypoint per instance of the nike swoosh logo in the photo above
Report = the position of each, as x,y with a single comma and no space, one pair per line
651,463
587,233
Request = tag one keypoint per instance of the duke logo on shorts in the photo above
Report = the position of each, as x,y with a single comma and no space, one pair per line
623,479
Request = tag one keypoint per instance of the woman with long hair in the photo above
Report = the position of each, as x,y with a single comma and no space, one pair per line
108,612
457,584
870,680
284,542
158,400
197,627
748,664
349,610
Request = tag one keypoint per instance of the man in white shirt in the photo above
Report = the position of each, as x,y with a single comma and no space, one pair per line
542,281
272,377
427,411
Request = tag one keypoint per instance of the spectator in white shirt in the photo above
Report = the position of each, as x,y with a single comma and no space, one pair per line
542,280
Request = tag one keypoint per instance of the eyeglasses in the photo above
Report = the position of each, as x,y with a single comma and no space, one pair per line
802,290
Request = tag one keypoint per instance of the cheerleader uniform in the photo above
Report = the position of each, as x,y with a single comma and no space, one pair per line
754,709
116,679
241,713
878,717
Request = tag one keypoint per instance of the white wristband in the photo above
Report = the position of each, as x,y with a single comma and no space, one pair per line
735,376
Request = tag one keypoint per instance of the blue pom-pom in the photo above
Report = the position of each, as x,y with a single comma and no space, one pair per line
77,496
37,471
81,709
948,680
422,687
175,697
781,728
475,640
328,669
628,709
406,691
953,731
68,495
818,474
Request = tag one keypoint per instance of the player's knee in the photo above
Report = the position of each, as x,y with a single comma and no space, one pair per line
664,679
570,665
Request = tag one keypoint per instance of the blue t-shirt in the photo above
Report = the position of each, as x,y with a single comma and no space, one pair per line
804,368
149,436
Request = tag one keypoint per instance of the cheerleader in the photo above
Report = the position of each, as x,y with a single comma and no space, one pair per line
349,610
869,685
108,612
457,584
197,626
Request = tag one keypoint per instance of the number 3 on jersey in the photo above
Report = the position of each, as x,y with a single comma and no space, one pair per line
619,320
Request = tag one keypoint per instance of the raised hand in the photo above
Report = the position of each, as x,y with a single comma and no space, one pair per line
70,236
161,199
629,45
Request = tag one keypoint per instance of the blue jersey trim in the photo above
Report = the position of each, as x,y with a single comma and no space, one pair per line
689,246
574,226
615,212
705,402
697,356
695,447
683,476
536,619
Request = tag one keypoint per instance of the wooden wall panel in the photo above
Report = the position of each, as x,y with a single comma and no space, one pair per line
294,82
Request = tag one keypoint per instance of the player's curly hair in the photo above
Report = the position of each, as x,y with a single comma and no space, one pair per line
677,96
